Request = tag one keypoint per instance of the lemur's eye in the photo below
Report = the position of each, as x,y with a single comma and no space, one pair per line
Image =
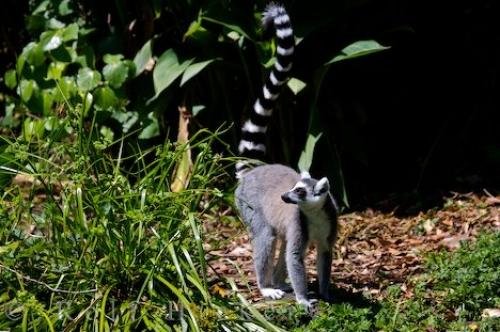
300,191
320,192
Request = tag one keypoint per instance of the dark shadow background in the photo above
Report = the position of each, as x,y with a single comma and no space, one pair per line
401,127
421,119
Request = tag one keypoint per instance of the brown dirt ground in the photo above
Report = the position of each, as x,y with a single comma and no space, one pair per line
374,249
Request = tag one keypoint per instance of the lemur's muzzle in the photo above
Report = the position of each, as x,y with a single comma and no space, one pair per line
286,198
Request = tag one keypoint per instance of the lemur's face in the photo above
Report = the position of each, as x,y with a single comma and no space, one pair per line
308,192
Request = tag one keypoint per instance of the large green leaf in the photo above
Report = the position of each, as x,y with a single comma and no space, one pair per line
87,79
115,73
33,53
193,69
167,70
70,32
50,40
143,57
105,98
307,154
230,26
357,49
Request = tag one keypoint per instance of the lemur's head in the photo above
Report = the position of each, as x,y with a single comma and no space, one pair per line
308,192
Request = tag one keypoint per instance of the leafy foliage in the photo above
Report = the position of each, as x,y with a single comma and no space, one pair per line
469,279
459,284
451,296
72,62
100,252
341,317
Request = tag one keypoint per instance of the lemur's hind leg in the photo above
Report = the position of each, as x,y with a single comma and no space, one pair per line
280,272
264,245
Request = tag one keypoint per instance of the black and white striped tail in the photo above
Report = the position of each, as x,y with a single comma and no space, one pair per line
253,137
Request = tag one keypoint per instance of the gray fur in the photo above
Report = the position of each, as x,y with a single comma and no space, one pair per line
276,203
297,224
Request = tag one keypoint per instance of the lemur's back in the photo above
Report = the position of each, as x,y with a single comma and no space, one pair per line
260,190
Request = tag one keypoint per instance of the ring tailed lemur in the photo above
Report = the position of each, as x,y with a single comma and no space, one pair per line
274,201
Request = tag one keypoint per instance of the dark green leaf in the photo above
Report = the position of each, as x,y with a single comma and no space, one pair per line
230,26
307,154
63,54
193,69
143,57
115,73
167,70
86,57
105,98
357,49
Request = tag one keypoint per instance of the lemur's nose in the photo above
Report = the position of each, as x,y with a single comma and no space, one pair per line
285,198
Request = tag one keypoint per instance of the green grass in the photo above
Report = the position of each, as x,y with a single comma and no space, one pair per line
449,297
453,292
84,247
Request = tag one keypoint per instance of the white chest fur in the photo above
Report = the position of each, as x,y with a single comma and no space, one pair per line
319,227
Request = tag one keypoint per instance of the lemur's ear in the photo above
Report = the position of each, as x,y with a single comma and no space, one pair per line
322,186
305,175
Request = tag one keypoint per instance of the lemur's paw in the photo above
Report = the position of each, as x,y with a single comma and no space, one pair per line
309,304
272,293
